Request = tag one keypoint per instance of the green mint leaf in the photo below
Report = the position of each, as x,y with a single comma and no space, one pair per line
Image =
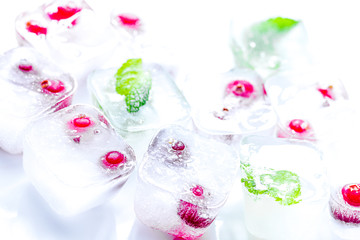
284,186
134,83
277,24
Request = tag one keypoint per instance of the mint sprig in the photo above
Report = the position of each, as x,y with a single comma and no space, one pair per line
278,25
284,186
134,83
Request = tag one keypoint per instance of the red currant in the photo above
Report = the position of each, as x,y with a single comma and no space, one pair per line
351,194
52,86
34,28
240,88
63,13
299,125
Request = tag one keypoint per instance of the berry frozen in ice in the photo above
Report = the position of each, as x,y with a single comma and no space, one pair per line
89,160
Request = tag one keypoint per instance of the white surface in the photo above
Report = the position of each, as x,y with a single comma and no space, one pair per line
198,31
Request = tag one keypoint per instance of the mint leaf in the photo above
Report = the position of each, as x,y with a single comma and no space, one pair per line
284,186
134,83
277,24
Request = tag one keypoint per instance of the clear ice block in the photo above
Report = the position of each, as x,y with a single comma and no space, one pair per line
305,102
75,159
269,45
30,87
183,181
284,185
231,103
70,32
344,205
165,104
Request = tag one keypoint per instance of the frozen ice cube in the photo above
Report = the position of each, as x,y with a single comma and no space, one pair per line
30,87
75,159
344,205
70,32
269,45
305,101
229,103
161,102
183,181
285,187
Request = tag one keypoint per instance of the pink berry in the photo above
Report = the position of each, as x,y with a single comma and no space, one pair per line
34,28
351,194
63,13
240,88
115,157
82,122
178,146
191,215
52,86
197,191
327,92
25,67
299,125
129,20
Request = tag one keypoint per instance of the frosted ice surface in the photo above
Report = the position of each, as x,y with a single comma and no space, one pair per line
30,86
75,159
166,104
230,103
69,32
184,179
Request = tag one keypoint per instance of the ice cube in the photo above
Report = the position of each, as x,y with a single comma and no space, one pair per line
30,87
137,111
183,181
344,205
75,159
231,103
69,32
285,187
269,45
305,101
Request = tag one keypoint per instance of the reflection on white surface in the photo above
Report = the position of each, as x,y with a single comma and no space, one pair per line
198,33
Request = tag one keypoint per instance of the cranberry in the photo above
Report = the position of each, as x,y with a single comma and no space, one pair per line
25,67
240,88
34,28
299,125
327,92
351,194
63,13
52,86
197,191
178,146
128,20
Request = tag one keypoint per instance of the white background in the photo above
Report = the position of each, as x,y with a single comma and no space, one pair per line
197,31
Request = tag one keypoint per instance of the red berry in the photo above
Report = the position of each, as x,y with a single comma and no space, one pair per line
299,125
240,88
82,122
178,146
197,191
52,86
34,28
327,92
25,67
63,13
351,194
115,157
128,20
191,215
